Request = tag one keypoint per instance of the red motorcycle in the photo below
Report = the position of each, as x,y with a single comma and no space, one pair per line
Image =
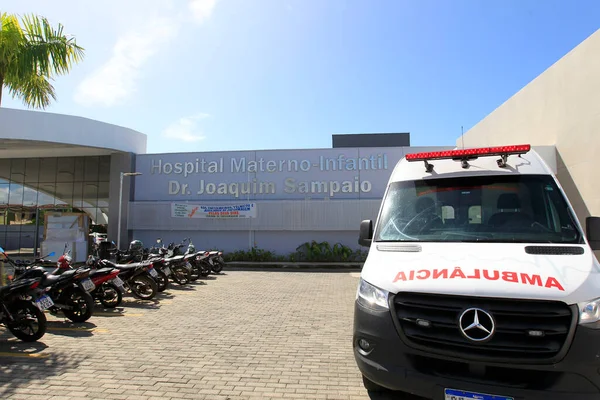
104,286
109,287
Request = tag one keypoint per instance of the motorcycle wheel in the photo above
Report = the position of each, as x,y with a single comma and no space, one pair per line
30,322
217,267
143,287
195,273
205,269
162,282
180,275
82,303
109,295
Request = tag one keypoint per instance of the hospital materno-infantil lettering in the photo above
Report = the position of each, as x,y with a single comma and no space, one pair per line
242,165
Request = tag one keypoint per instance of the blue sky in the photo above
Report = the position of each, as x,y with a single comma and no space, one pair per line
208,75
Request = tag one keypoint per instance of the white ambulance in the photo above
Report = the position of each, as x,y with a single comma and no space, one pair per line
480,282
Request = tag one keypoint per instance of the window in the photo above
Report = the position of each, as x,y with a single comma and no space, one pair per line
447,213
475,214
502,208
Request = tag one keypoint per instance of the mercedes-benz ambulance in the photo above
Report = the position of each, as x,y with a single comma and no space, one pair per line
479,283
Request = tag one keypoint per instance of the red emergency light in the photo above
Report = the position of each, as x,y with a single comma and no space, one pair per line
469,153
465,155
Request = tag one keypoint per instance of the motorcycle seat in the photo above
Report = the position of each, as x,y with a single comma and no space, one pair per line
50,280
125,267
101,271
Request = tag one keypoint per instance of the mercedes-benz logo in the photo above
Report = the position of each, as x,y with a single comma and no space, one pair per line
477,325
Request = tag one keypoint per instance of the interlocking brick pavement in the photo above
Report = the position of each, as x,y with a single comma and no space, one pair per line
239,335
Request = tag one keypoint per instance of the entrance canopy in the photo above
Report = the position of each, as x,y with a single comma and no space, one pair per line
55,162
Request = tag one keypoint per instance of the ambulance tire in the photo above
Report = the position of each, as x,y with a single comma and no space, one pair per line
372,386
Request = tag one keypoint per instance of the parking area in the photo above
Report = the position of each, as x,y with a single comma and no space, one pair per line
239,335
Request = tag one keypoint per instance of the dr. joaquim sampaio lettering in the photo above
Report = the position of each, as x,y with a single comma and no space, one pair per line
252,186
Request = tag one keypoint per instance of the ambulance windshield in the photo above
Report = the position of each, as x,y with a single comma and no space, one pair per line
497,208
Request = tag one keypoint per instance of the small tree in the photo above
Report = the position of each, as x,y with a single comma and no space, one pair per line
31,53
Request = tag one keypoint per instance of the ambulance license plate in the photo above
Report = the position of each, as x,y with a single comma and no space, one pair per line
454,394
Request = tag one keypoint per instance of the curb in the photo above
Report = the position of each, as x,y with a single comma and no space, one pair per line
290,266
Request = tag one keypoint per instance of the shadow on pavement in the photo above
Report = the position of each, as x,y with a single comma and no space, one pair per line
9,344
184,288
100,311
153,304
70,329
18,369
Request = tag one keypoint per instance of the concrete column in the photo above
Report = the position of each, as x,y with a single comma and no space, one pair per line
120,162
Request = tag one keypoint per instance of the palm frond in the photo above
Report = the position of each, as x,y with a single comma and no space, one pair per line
31,53
36,92
49,49
11,38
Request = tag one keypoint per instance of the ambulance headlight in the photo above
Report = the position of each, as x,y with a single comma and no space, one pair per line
372,297
589,311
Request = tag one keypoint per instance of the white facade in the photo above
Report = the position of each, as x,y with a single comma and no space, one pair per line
41,134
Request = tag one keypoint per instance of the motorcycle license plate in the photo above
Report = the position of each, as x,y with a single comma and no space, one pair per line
44,303
453,394
167,271
153,273
117,281
88,285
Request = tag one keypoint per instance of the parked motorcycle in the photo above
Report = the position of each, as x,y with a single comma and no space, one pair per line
60,290
109,287
136,277
23,318
135,254
198,260
180,268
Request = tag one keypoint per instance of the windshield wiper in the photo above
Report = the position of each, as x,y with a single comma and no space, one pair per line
473,235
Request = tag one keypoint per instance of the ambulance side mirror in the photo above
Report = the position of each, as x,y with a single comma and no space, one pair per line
593,232
366,233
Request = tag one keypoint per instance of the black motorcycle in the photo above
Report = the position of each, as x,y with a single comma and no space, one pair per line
60,290
136,254
198,260
178,267
23,318
137,277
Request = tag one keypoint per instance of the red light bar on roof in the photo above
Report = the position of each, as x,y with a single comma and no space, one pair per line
469,153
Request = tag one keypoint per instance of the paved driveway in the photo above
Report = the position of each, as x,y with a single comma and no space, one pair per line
240,335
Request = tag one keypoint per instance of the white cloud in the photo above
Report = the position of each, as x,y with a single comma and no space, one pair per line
185,129
202,9
116,80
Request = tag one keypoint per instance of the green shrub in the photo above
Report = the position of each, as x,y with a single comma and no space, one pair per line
312,251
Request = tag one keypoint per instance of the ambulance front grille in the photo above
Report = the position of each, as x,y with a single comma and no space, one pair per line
524,329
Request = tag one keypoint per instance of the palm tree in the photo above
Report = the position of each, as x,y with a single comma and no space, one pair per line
31,53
